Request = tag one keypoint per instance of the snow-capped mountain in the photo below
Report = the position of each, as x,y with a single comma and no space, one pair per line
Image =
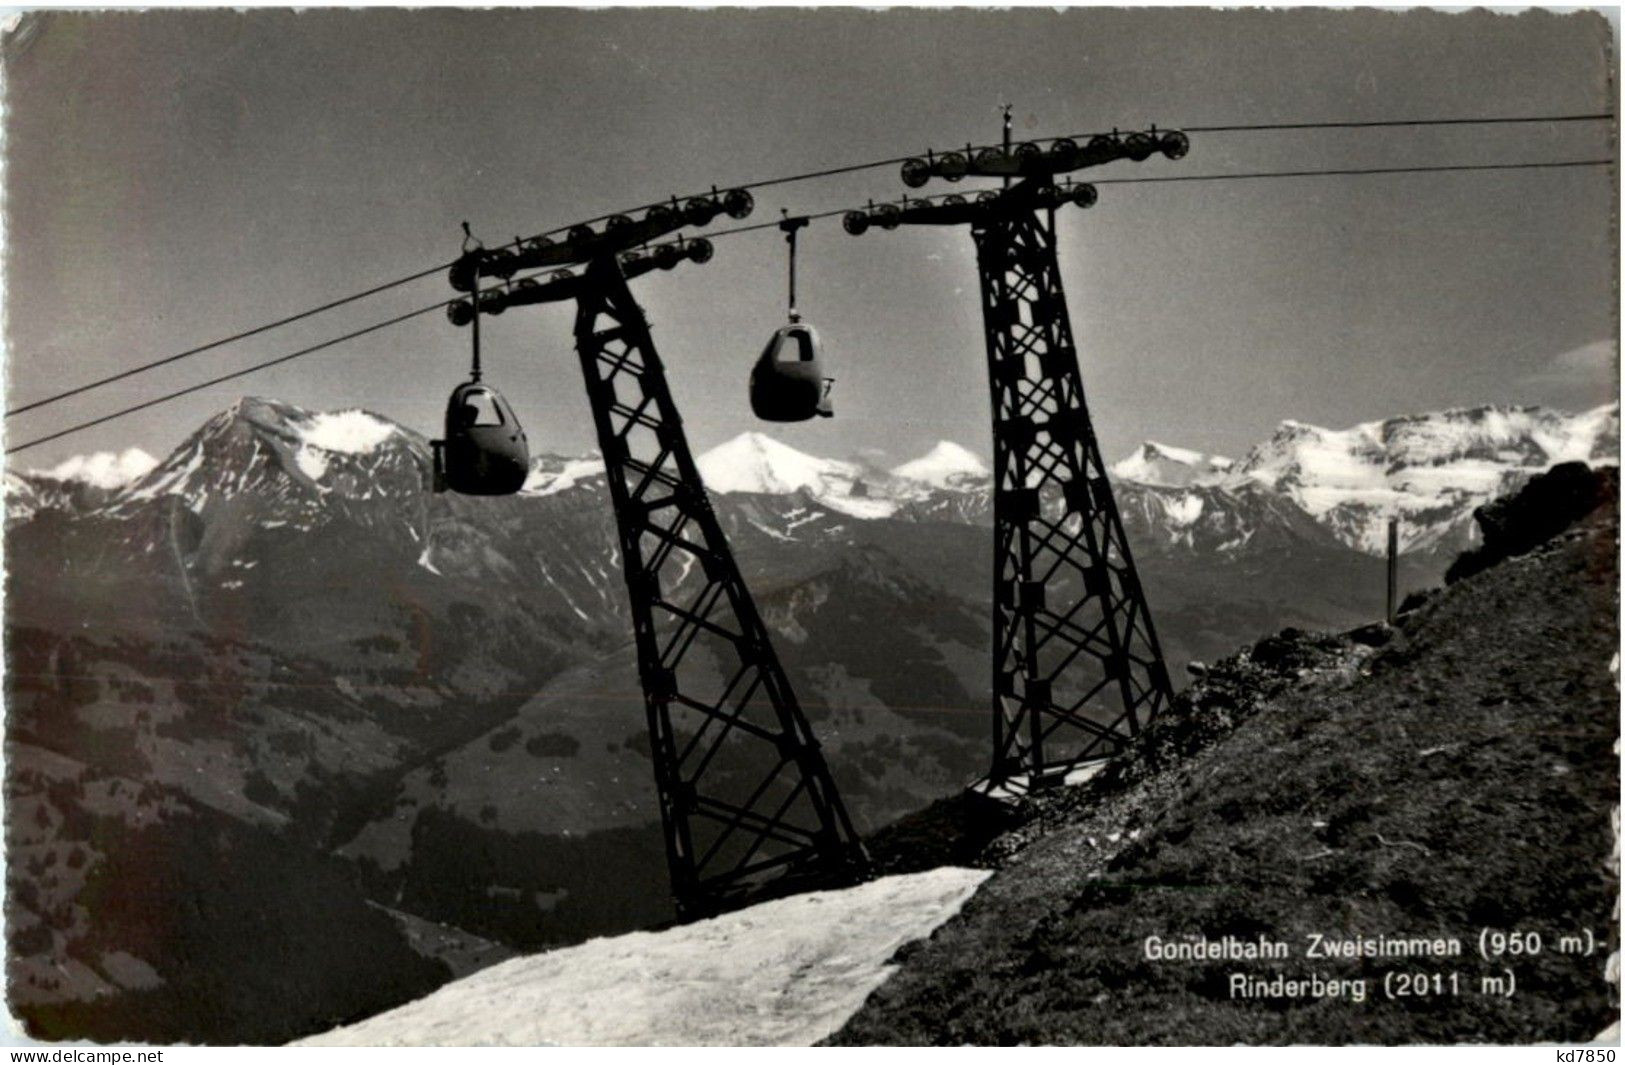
1171,467
1428,470
947,465
303,461
79,481
755,464
551,474
1304,484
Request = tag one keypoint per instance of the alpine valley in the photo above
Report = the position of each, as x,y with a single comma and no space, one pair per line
292,739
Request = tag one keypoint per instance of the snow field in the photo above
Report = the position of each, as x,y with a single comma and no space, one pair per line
783,973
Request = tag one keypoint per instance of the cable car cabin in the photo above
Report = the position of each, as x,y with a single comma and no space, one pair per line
787,384
484,452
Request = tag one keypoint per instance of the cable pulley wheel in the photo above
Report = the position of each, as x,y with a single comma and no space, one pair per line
700,211
738,203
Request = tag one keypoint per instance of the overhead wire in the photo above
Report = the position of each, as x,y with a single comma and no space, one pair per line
222,342
1340,172
246,370
1355,171
1235,128
1397,122
733,231
737,230
791,179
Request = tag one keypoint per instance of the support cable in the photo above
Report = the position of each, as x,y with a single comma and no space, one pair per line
737,230
814,175
245,371
1343,172
244,335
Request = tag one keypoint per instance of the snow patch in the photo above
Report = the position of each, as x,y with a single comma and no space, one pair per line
864,509
349,432
1183,510
104,469
544,482
1019,786
783,973
772,533
311,463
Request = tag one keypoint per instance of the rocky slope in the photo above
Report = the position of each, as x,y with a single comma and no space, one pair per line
1450,776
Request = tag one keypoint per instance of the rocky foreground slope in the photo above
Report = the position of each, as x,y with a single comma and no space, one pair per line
1450,777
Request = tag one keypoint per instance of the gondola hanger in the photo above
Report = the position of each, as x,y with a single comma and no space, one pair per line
472,244
790,227
484,452
788,384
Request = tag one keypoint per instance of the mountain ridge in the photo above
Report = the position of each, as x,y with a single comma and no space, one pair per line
1430,470
282,630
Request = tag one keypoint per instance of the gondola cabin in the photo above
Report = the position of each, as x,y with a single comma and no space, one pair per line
787,383
484,452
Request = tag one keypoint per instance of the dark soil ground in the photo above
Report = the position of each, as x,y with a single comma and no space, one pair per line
1453,774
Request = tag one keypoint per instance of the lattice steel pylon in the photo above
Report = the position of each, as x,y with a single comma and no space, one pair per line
747,803
1077,669
1072,634
745,794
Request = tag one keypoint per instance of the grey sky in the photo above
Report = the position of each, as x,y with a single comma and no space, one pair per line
173,177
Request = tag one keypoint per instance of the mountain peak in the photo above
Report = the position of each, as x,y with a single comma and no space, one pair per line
348,430
755,462
249,442
945,465
1164,466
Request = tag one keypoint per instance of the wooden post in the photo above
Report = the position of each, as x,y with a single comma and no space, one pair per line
1393,567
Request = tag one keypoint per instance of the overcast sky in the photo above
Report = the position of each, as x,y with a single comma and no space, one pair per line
174,177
